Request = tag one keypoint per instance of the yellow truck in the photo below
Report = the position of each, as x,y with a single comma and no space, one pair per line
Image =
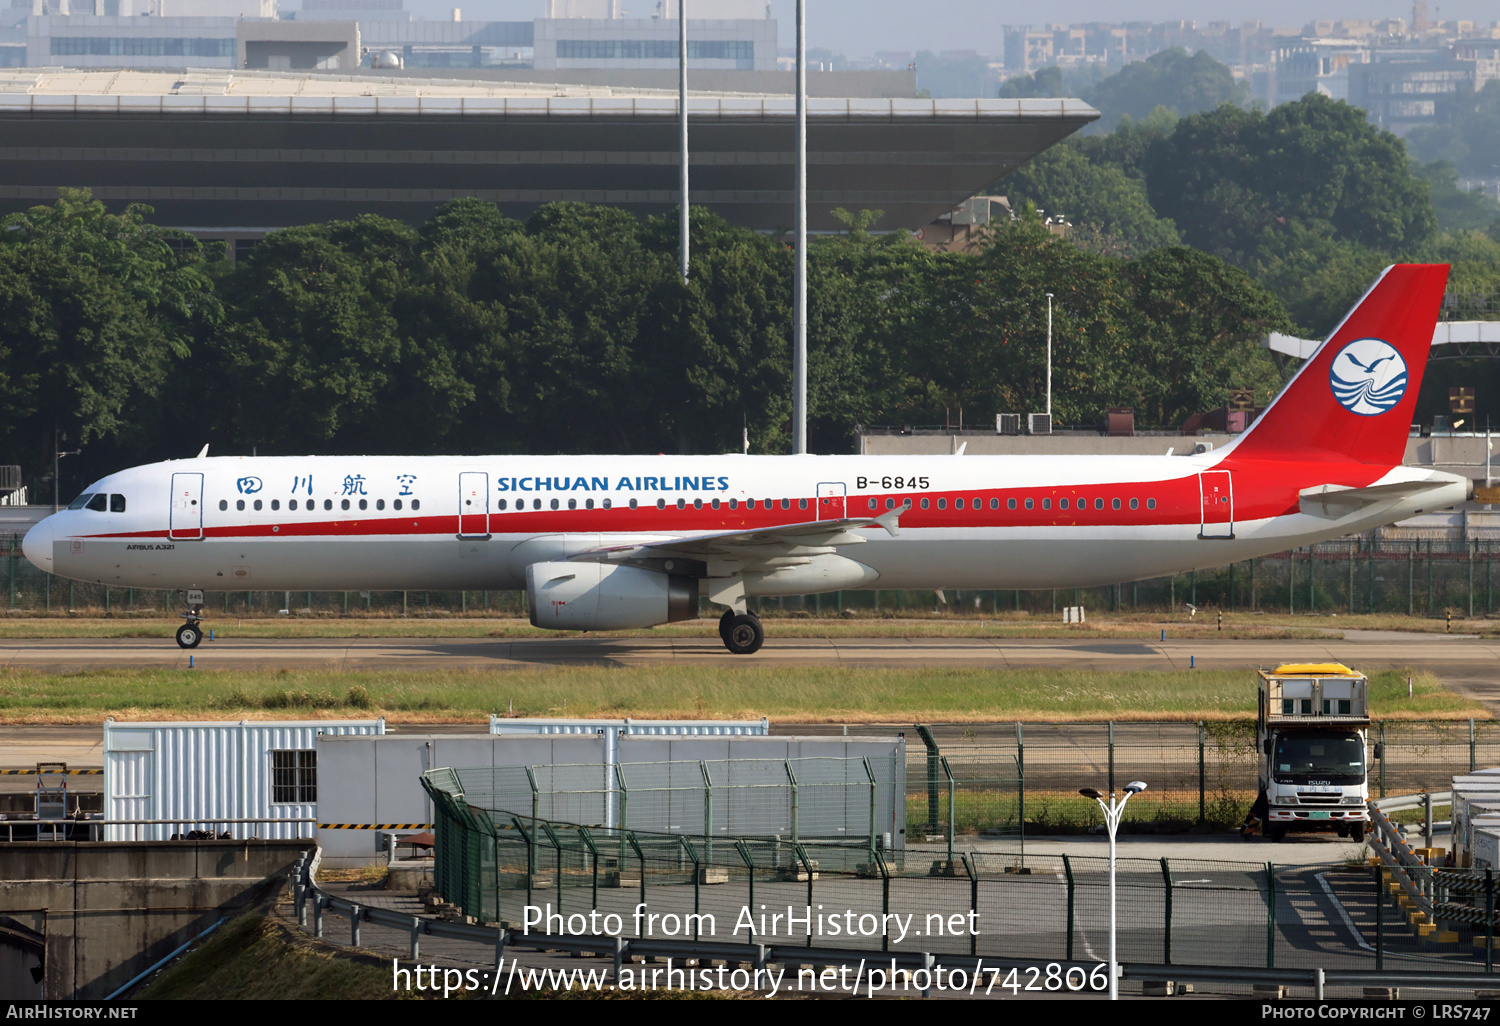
1313,732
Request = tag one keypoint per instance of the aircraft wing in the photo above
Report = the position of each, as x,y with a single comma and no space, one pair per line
731,551
1334,502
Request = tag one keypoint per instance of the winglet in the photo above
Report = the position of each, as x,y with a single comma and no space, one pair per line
889,521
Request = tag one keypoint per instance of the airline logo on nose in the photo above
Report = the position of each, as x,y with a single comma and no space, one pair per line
1368,377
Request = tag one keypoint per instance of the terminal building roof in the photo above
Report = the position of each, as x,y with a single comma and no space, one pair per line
269,149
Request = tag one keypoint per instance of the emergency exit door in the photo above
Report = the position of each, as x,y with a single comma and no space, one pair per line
1217,493
473,505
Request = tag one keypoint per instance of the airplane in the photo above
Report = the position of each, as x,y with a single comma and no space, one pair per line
620,542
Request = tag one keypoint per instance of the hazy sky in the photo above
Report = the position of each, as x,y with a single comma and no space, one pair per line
859,28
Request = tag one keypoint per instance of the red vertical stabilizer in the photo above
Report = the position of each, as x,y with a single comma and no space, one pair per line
1355,398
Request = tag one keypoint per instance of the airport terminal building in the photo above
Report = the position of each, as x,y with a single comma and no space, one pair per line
223,151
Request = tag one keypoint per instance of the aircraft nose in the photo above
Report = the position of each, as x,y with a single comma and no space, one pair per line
37,545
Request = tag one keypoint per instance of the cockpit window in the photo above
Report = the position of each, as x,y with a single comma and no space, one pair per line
117,504
97,503
82,500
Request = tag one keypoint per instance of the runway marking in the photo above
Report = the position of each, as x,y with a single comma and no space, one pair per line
1338,907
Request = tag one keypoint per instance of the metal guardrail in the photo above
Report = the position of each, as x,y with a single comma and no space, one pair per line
311,902
65,823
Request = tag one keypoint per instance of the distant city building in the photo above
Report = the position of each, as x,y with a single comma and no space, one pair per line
1400,95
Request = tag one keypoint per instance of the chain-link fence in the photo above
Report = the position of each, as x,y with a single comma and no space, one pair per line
555,877
1019,779
1368,575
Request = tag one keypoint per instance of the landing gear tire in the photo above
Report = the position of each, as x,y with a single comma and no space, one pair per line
724,623
188,635
743,634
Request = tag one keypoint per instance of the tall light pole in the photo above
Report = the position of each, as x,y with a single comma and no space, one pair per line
1112,813
1049,361
57,454
799,282
682,131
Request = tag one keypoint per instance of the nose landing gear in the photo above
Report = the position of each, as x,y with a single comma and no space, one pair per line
191,632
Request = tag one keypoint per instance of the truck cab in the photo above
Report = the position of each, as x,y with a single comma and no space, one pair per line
1312,732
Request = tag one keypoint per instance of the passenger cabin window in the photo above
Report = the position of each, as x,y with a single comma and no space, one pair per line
291,504
397,504
98,502
257,505
328,504
416,504
81,501
117,504
239,504
364,504
223,504
380,504
276,504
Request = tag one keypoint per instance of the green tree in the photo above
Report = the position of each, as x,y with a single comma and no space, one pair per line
1172,79
1045,82
98,310
1232,179
1097,198
1456,208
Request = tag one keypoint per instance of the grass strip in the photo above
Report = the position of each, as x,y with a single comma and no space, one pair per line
809,694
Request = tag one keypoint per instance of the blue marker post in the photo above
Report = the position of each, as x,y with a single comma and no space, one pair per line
1164,634
1192,662
190,662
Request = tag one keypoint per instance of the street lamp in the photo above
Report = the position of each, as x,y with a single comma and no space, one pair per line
1112,813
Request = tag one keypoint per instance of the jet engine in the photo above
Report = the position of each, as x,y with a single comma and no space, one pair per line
606,597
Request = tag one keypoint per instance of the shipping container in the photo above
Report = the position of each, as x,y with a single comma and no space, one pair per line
204,776
1485,853
371,785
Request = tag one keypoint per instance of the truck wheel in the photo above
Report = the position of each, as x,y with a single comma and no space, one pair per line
1278,832
1357,832
1343,831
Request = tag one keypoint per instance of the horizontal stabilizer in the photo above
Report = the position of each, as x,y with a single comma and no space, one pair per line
1334,502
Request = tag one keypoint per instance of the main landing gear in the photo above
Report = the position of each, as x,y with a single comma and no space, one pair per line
742,633
191,632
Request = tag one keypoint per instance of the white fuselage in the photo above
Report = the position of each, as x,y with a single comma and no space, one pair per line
450,523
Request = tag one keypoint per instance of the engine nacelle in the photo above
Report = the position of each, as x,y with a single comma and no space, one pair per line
606,597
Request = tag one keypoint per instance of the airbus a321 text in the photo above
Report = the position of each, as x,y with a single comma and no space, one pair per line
615,542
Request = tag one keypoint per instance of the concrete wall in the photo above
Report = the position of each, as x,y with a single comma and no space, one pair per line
108,910
332,45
